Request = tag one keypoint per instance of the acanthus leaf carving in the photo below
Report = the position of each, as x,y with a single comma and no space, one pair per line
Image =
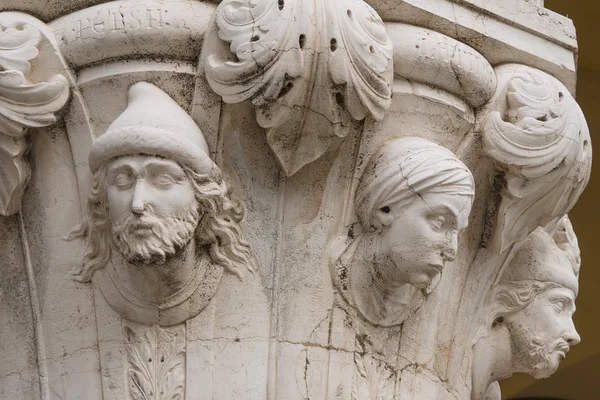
538,137
156,358
23,104
14,172
331,63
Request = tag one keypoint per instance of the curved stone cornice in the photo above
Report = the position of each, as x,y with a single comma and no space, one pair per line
120,29
429,57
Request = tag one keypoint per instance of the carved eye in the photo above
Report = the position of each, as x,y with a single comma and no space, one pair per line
437,221
164,180
123,180
558,305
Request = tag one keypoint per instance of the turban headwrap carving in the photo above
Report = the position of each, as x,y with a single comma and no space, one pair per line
405,168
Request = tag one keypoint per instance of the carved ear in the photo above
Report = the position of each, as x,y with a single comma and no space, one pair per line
383,217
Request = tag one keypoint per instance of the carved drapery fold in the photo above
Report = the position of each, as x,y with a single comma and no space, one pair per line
309,67
24,103
536,133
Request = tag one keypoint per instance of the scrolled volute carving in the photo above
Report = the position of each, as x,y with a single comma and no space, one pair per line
537,134
27,100
309,67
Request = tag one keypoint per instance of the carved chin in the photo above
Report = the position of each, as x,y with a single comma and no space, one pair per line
543,358
153,240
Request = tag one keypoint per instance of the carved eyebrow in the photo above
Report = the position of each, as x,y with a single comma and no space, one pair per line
568,300
120,168
443,209
169,168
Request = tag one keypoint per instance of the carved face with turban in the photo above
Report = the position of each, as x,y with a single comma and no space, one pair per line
415,198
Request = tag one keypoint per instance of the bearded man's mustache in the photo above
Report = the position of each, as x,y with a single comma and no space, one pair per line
168,236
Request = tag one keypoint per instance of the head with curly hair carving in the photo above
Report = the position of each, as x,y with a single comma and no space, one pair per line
155,190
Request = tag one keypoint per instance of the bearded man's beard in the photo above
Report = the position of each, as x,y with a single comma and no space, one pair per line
166,236
538,355
543,354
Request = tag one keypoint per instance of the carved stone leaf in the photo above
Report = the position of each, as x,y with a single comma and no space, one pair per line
140,354
373,378
171,376
539,139
310,68
14,173
156,358
23,105
18,45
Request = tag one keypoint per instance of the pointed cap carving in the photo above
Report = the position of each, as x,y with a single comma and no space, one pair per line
153,124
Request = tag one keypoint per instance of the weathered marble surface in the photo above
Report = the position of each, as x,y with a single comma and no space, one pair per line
286,199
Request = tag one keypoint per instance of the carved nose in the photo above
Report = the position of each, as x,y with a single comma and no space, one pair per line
138,203
573,338
450,245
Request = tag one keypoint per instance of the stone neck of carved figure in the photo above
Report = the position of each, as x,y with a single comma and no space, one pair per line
377,301
165,294
156,284
492,362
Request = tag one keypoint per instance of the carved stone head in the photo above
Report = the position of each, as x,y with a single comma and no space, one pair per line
413,199
156,190
535,300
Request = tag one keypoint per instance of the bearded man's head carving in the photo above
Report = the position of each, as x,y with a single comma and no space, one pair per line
528,326
155,190
535,299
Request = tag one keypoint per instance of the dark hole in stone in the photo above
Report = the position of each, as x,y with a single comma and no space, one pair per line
339,98
302,40
255,38
349,13
560,95
333,44
162,359
372,49
280,4
543,118
285,90
149,360
385,209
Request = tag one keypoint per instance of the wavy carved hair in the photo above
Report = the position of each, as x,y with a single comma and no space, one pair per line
511,297
508,298
218,232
